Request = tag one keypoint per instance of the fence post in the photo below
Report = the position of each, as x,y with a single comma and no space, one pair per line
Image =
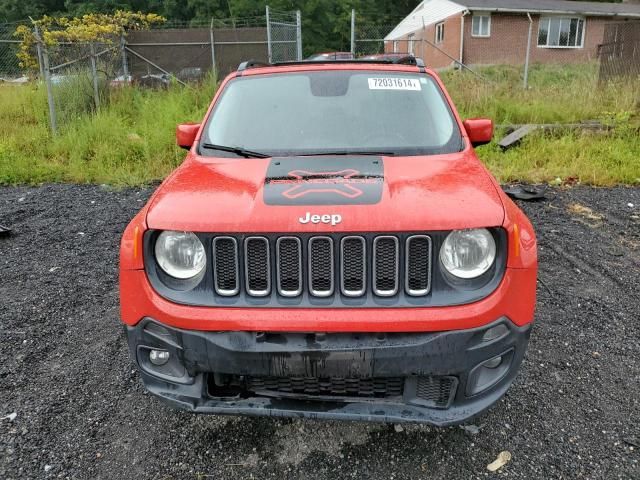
123,52
353,31
526,61
94,76
39,52
213,53
269,50
47,81
299,35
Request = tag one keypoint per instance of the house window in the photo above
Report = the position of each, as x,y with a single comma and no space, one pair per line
481,25
410,40
561,32
395,46
440,32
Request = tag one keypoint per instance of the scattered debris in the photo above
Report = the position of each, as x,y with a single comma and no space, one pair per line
53,269
526,192
571,181
4,231
632,441
518,132
398,428
630,205
47,468
515,137
11,417
472,429
501,461
587,213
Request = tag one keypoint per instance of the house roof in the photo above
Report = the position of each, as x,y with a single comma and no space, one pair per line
554,6
429,12
426,13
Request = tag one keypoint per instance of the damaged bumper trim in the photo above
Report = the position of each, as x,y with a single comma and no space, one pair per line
211,372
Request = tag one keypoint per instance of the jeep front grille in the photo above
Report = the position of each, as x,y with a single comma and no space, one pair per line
329,386
321,271
355,266
257,264
385,266
429,391
418,266
289,266
225,269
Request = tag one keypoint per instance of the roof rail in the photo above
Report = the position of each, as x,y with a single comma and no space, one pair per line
408,60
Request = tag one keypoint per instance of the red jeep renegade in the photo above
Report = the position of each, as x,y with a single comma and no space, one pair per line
331,247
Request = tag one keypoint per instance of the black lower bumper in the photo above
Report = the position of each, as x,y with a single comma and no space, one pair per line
440,378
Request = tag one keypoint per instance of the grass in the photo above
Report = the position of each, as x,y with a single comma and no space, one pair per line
556,95
131,140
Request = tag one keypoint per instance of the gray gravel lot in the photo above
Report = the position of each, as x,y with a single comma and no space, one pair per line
574,411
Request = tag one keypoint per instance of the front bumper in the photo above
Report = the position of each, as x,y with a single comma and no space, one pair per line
444,376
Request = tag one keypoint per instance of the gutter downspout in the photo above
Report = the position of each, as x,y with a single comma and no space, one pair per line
464,14
526,62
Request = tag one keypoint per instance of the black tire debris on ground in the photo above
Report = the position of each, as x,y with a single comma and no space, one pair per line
81,413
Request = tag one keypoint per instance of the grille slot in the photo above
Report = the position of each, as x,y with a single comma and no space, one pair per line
289,266
385,266
321,275
353,261
225,268
257,263
437,391
418,265
381,387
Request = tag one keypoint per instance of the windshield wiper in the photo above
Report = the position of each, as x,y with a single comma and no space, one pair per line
242,152
346,152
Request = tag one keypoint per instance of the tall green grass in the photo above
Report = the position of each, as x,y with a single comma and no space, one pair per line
130,141
557,94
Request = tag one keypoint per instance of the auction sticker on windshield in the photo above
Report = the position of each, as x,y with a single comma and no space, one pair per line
394,83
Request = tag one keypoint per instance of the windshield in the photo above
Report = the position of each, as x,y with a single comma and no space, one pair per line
307,113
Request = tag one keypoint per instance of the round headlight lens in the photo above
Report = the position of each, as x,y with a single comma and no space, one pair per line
468,253
180,254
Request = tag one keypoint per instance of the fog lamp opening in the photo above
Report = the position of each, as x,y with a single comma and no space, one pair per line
159,357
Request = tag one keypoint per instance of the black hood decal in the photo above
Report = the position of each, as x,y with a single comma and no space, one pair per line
324,180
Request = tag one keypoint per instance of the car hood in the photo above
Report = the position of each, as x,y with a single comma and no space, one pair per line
341,194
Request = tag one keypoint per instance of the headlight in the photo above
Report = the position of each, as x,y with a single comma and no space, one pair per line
180,254
468,253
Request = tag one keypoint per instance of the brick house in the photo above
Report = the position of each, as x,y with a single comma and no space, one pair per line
491,32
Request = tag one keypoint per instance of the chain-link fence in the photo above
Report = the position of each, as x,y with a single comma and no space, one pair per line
620,52
368,39
284,33
9,45
78,76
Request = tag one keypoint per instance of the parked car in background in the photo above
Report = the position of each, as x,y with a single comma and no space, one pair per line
190,74
318,57
153,80
121,81
386,56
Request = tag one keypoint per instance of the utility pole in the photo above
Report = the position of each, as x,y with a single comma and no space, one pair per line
269,49
353,32
299,35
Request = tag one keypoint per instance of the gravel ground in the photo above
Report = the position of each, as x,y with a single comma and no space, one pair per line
574,411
